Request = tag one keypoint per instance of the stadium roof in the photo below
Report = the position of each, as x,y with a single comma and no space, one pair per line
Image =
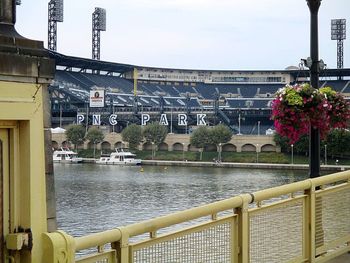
91,64
86,64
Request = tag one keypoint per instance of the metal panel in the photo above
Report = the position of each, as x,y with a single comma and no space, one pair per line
211,242
276,233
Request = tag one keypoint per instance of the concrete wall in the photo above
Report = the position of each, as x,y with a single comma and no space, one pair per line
178,142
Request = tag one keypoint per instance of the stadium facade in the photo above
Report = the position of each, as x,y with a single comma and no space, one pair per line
179,98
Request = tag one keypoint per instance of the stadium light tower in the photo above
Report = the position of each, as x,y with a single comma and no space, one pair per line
98,25
55,14
338,32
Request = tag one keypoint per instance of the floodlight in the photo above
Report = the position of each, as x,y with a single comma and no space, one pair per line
100,19
338,29
338,32
56,7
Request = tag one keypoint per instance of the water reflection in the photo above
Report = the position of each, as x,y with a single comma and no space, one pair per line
92,198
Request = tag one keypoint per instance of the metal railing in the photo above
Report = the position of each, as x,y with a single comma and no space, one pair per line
307,221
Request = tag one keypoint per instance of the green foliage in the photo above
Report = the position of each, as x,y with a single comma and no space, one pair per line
154,132
301,146
75,134
94,135
338,142
220,134
200,137
133,135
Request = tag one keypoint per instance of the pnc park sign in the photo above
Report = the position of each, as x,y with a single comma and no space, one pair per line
145,118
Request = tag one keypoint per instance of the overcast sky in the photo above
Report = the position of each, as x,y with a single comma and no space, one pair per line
192,34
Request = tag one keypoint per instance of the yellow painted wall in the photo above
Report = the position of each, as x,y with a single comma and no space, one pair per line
21,112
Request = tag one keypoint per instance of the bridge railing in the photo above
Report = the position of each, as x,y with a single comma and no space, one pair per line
307,221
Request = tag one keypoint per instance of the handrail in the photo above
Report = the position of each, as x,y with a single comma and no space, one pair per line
97,239
182,216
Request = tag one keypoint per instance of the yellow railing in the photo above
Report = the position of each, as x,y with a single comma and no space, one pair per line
307,221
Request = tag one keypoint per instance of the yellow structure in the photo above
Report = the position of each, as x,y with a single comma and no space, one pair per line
25,71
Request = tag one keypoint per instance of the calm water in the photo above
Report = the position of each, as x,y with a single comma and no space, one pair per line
92,198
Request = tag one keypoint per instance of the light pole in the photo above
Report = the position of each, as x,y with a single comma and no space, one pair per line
239,124
152,150
325,154
257,153
171,119
314,143
292,153
183,152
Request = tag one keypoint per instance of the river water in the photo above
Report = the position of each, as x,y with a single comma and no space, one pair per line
93,198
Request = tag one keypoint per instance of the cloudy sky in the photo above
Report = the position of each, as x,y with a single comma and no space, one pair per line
192,34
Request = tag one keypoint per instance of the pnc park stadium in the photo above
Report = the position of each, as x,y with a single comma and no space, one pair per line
114,95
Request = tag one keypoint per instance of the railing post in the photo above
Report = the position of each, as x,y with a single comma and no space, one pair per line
122,247
243,228
59,247
312,224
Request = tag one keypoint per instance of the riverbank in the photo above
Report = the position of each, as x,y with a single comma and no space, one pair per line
245,165
236,165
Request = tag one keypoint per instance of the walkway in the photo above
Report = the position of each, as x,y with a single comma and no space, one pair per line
341,259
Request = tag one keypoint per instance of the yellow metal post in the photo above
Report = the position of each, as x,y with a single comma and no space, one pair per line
25,72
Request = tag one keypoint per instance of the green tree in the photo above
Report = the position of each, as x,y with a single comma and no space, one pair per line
200,138
338,142
220,134
133,135
155,134
76,135
95,136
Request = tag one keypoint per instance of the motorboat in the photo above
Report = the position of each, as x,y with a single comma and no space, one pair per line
66,156
120,156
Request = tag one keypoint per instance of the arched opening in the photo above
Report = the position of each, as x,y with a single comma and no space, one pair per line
229,147
147,146
248,148
54,145
192,148
210,148
268,148
105,146
118,145
163,147
178,147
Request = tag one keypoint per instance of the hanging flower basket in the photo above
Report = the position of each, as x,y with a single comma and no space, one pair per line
297,108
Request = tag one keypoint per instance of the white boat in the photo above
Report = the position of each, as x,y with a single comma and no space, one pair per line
120,156
66,156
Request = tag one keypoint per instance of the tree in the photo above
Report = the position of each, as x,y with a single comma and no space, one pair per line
76,135
95,136
155,133
219,134
338,142
133,135
200,138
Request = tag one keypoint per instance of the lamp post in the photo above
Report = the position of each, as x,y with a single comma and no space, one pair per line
152,150
219,153
292,153
314,143
183,151
325,154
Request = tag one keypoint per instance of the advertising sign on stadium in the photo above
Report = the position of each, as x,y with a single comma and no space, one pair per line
97,98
